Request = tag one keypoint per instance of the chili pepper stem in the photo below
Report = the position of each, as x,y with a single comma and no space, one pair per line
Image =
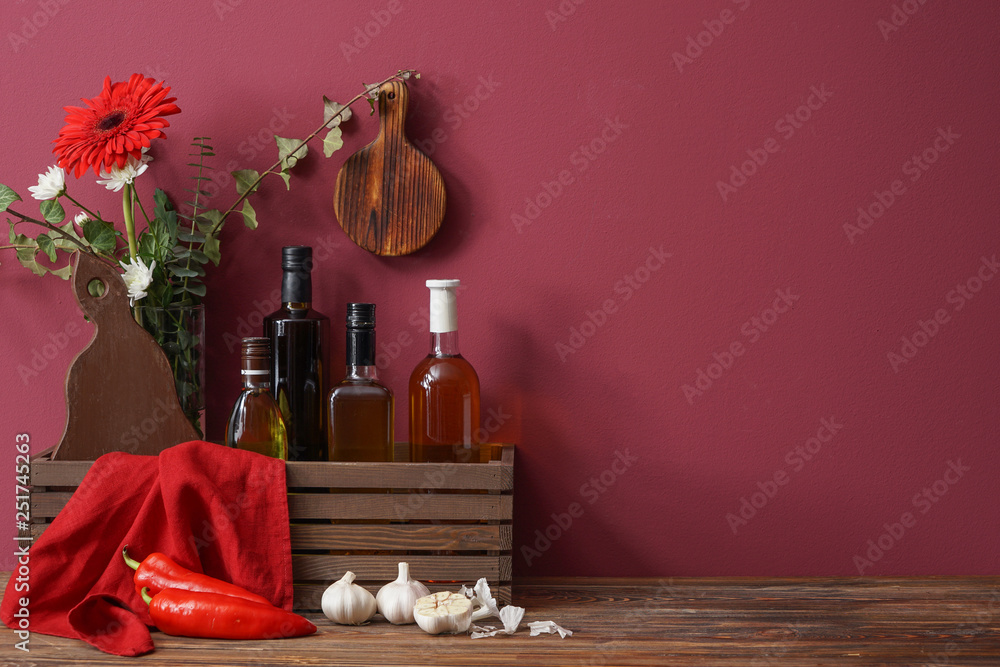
131,562
145,595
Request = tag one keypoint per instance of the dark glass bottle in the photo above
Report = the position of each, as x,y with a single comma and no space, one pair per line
361,407
256,423
299,342
444,389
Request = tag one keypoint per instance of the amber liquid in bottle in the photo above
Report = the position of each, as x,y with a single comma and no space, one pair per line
255,423
361,407
444,405
444,390
299,341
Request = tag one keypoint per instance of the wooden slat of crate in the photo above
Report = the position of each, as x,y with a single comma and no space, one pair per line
402,537
491,476
328,569
370,506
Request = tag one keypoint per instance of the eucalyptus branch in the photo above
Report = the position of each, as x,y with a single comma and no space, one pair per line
52,228
325,125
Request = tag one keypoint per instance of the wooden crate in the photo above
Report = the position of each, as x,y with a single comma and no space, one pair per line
451,522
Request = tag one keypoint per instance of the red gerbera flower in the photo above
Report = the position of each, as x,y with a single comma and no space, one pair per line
118,123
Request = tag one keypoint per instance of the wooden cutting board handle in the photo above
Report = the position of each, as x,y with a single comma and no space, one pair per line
120,394
390,198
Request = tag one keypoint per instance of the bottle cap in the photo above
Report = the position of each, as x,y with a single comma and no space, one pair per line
296,257
256,356
444,315
361,315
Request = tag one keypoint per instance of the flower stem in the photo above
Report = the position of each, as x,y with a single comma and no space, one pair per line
52,228
127,211
90,214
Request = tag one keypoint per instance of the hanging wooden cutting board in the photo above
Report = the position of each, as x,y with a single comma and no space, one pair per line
120,394
390,197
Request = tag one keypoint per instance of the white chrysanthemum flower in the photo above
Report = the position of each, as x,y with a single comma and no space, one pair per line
137,278
80,219
51,184
120,177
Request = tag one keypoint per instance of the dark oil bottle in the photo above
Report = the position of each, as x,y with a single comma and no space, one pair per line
299,339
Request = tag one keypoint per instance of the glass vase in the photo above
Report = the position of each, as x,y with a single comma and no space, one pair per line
180,333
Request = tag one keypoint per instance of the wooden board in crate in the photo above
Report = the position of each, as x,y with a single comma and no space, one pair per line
451,522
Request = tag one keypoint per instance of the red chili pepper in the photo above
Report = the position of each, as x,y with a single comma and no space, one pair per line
158,572
211,615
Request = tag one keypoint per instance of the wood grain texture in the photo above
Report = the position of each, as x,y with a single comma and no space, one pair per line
390,198
121,361
743,622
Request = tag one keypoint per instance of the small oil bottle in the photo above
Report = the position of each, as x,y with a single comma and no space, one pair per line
256,423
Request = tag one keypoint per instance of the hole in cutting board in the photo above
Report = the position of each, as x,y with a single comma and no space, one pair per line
96,288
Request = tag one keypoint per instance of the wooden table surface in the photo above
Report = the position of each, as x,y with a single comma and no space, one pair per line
744,622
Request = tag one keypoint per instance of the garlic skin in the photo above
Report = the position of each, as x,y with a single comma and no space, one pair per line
346,603
443,612
396,599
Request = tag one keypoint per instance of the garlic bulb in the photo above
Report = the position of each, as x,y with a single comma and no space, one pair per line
443,612
396,599
346,603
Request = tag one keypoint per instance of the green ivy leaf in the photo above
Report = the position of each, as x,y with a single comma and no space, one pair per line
211,249
249,215
286,155
64,273
245,178
332,142
64,243
7,197
52,211
26,256
337,113
100,235
287,176
46,245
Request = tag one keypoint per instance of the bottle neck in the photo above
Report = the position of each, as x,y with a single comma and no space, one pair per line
444,344
255,380
362,372
296,288
361,349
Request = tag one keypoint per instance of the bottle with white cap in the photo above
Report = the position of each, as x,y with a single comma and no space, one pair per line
444,389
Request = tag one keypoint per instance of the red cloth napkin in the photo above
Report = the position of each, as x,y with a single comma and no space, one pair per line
212,509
